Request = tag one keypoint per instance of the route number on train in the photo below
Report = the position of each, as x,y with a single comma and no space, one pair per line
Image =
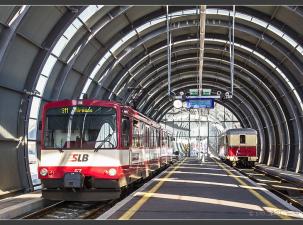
64,110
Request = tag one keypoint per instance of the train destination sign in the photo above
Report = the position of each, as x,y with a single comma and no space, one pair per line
196,103
66,110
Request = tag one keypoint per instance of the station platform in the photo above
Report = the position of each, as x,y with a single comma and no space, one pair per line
16,206
286,175
193,190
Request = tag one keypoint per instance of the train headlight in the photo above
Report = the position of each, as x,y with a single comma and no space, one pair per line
43,172
112,172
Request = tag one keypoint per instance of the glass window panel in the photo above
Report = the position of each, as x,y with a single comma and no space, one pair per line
88,12
70,31
116,46
95,71
129,36
300,49
259,22
157,21
37,187
211,11
291,41
50,62
223,12
258,54
34,174
41,84
32,129
74,54
275,30
243,16
178,13
143,27
246,48
270,63
299,99
77,23
34,113
190,11
60,46
32,152
86,86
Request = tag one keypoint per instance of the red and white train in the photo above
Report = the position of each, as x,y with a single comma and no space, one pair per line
92,149
239,146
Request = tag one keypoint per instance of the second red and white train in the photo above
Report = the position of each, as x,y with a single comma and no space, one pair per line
239,146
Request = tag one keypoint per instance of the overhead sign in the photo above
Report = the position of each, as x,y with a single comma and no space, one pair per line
206,92
197,103
193,92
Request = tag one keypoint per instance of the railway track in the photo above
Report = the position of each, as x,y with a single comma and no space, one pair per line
289,191
70,210
83,210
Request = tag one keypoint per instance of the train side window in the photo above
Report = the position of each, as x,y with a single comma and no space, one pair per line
242,139
136,141
158,139
125,132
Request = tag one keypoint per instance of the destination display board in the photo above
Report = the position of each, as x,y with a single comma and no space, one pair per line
197,103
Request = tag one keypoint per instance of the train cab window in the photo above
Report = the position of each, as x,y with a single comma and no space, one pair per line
242,139
125,132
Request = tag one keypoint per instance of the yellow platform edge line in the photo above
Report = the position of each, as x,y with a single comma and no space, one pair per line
253,192
129,213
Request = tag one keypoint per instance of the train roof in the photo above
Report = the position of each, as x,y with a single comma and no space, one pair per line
236,131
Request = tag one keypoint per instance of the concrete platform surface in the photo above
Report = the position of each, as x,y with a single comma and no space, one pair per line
16,206
286,175
195,190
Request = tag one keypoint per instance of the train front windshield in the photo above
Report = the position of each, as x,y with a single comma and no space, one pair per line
80,127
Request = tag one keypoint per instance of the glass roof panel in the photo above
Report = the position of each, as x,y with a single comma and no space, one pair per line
48,66
86,86
291,41
262,23
275,30
35,107
60,46
41,84
243,16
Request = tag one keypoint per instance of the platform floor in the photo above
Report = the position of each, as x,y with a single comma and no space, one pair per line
194,190
16,206
287,175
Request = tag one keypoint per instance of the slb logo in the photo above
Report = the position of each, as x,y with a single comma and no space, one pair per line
79,158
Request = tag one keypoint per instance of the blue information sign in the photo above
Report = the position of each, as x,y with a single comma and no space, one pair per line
196,103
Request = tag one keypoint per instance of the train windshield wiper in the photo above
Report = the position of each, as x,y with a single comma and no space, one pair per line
103,142
60,149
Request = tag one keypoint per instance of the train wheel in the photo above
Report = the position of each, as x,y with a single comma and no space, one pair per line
234,163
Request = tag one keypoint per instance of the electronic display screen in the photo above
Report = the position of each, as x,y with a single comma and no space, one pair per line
200,103
76,109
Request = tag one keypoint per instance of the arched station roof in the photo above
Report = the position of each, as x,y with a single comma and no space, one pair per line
120,53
